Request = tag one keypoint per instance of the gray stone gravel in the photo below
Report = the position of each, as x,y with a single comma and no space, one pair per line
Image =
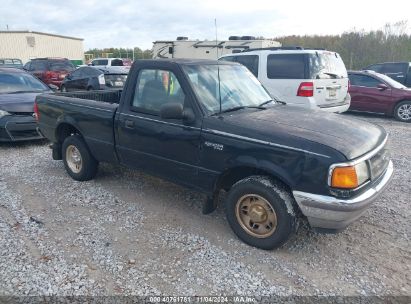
131,234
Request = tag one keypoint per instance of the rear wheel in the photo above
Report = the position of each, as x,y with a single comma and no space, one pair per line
402,111
78,161
260,212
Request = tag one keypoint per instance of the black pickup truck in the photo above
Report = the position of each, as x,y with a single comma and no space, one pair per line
211,126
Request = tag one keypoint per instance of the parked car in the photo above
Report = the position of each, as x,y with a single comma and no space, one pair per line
50,70
91,78
127,62
11,63
211,126
378,93
113,65
314,79
18,90
399,71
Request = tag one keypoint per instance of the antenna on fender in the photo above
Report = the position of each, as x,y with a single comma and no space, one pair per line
218,67
216,39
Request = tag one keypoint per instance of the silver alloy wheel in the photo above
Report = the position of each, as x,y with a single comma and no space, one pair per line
73,159
404,112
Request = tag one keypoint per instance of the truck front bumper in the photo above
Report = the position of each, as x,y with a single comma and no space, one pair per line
333,214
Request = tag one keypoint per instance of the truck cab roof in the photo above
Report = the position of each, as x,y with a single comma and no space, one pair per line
184,61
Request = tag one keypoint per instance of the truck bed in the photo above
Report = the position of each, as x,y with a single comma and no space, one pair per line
109,96
92,112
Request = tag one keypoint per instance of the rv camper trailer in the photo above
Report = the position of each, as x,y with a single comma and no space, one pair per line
208,49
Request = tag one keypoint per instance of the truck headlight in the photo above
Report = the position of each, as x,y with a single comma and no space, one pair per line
4,113
349,177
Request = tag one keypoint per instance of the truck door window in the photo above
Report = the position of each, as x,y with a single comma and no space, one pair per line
155,88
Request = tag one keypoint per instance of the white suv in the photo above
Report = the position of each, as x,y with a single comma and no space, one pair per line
112,65
311,78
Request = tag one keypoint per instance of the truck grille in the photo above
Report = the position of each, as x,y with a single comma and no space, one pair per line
379,162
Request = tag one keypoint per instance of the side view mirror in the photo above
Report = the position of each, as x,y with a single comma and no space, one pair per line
176,111
53,87
382,87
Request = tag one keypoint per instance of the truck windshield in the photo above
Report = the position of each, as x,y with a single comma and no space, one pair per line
234,85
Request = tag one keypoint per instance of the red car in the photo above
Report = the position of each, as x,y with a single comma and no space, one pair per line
378,93
50,70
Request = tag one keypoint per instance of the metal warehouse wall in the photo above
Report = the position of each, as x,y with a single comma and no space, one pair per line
28,45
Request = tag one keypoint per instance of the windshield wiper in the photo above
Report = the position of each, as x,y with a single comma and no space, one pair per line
239,108
265,102
336,76
31,91
271,100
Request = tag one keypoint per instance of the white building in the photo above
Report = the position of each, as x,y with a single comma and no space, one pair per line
212,49
26,45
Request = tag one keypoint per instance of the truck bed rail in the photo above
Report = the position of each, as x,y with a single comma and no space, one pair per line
110,96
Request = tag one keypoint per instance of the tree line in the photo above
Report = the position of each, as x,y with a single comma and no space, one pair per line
131,53
358,48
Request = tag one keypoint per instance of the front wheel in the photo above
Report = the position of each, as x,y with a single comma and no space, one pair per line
260,212
402,111
78,161
63,89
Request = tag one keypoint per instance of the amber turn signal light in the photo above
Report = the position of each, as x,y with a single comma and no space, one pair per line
344,177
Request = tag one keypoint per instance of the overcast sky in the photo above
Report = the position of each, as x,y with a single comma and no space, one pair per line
130,23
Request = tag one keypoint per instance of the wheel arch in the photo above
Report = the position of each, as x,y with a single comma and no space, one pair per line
394,108
65,129
232,175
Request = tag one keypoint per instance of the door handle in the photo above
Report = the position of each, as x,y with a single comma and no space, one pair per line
129,124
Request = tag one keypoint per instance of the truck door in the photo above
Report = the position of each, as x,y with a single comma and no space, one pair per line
165,147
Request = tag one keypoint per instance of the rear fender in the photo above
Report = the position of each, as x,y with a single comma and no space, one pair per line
62,121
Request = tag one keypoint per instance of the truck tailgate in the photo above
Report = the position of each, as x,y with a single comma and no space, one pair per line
93,119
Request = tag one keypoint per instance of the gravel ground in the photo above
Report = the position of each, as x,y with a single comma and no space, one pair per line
131,234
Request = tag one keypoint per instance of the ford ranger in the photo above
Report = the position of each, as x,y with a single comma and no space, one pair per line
211,126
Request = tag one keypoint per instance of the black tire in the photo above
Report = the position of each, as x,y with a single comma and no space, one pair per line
399,111
280,201
89,88
89,165
63,89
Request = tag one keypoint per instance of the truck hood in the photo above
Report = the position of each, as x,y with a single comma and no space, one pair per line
294,127
19,102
